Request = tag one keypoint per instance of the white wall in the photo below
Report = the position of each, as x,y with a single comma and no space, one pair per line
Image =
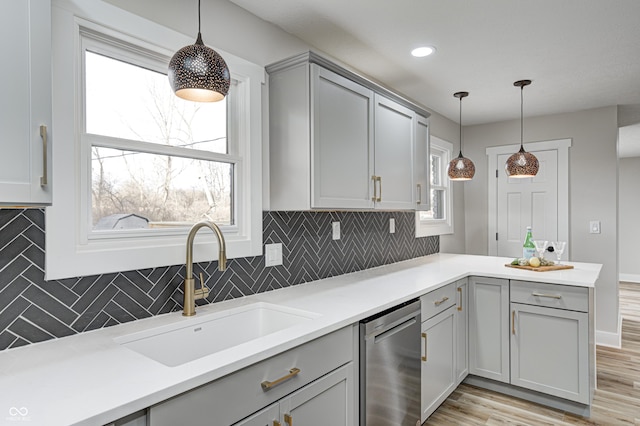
449,131
628,211
592,188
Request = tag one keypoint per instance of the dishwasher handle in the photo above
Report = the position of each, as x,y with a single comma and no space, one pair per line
394,330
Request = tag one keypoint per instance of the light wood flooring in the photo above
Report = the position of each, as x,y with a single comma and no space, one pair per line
616,401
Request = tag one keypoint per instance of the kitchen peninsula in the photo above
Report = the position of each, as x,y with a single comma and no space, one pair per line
90,378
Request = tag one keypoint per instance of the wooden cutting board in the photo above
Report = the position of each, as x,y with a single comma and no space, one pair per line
541,268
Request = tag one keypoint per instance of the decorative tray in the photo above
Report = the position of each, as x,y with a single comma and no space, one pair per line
541,268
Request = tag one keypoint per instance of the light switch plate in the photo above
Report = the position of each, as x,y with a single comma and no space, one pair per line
273,254
392,226
594,227
335,228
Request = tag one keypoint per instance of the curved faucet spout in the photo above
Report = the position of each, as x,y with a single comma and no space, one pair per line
190,293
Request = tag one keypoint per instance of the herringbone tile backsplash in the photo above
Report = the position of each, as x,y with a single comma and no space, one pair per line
33,310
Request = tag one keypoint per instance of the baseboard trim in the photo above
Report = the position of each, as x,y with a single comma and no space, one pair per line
529,395
633,278
612,340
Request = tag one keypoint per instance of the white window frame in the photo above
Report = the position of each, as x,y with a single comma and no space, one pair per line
71,249
430,227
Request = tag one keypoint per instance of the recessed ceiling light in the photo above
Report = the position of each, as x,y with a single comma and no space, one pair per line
421,52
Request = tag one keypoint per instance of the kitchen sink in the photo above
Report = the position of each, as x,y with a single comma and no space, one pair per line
194,338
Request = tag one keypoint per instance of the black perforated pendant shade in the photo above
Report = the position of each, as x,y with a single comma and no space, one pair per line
198,73
461,168
522,164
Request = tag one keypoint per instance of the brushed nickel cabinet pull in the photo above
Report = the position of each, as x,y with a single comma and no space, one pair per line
266,385
288,419
460,294
551,296
424,336
419,197
43,135
441,301
513,322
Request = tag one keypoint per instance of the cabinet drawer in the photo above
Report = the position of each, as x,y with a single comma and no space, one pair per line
550,295
239,394
438,300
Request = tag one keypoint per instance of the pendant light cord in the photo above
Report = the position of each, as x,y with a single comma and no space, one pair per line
198,16
460,120
521,117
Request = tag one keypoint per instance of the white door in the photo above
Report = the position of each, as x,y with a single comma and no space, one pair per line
527,202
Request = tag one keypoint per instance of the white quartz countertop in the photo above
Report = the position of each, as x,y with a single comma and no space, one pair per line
90,379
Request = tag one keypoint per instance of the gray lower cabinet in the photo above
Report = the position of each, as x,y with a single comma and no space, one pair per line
489,328
438,332
327,401
313,379
550,346
462,330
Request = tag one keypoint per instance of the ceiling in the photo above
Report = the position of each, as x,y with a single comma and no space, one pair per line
580,54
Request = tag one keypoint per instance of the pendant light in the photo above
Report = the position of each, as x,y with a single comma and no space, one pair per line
461,168
198,73
522,164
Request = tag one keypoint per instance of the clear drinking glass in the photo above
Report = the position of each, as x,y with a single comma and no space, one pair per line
558,248
541,246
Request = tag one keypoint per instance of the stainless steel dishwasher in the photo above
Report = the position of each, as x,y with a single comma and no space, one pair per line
390,367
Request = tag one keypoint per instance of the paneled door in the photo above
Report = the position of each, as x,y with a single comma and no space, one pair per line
528,202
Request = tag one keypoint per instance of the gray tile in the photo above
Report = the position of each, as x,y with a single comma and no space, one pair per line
29,332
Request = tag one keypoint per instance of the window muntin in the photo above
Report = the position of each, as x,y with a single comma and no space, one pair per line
150,150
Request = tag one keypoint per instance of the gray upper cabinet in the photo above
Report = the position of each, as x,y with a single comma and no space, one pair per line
394,150
25,122
339,141
421,163
342,138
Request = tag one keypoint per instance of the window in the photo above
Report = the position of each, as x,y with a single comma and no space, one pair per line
439,219
136,166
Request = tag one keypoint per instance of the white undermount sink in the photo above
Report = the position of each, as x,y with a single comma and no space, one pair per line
204,335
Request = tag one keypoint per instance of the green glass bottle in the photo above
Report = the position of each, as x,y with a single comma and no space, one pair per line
528,248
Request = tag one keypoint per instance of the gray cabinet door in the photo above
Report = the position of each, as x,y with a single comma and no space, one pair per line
327,401
489,328
342,141
549,351
25,163
394,151
269,416
421,164
438,360
462,330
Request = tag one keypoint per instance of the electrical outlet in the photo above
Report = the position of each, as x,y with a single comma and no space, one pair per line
392,226
273,254
335,228
594,227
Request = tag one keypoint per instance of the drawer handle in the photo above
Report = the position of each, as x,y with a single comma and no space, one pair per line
266,385
513,322
288,419
43,135
460,294
551,296
424,336
276,423
441,301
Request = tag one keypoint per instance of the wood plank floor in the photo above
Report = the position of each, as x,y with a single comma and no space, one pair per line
616,401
